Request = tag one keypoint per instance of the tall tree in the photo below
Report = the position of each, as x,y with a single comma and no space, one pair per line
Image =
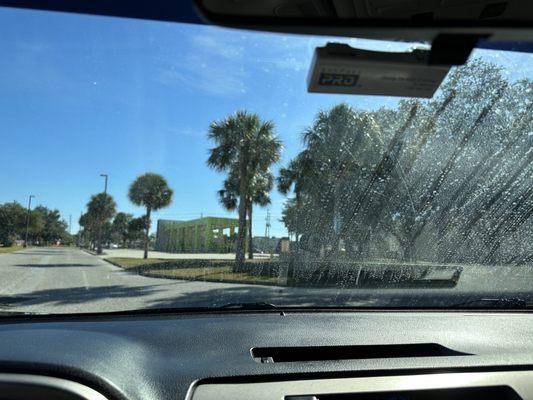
12,222
45,226
88,234
245,145
296,176
120,227
448,180
261,185
340,146
52,227
151,191
101,208
136,229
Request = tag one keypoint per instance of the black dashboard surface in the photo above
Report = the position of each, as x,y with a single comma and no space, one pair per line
159,356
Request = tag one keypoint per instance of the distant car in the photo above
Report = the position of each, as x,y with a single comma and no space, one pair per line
113,246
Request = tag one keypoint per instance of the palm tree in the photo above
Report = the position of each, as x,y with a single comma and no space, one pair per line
260,187
100,209
245,145
151,191
296,176
340,144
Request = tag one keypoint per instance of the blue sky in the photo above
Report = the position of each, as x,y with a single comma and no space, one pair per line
84,95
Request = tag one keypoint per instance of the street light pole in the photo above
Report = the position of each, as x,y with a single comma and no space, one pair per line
105,176
99,247
28,220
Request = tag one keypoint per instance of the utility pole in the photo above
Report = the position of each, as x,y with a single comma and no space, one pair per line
70,224
267,225
80,232
28,221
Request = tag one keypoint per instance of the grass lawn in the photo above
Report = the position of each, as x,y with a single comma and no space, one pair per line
134,263
10,249
162,268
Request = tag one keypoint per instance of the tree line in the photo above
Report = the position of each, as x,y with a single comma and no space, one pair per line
447,179
43,225
101,223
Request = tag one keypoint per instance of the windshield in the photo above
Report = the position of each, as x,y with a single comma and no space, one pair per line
150,165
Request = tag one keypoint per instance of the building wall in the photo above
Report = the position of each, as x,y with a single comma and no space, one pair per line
203,235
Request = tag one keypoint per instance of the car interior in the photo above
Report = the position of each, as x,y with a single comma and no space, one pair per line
298,352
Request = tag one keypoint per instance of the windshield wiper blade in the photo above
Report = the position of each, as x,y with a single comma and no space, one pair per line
499,302
5,313
248,306
230,307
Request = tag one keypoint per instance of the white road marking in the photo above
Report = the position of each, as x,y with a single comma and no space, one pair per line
85,281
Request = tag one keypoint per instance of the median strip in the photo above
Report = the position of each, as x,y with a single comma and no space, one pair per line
196,270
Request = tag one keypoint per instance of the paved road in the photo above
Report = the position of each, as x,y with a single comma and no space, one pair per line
68,280
63,280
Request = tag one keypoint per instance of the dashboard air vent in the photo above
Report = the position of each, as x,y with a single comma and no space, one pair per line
328,353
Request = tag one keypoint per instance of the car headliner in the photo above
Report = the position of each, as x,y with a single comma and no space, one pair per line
184,11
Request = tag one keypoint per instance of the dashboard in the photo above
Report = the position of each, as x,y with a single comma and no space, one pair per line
273,355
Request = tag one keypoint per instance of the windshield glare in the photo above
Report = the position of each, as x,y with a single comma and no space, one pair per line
154,165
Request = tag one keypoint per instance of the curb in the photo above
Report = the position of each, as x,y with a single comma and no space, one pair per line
93,253
113,263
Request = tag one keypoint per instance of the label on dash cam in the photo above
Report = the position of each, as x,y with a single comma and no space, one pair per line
341,80
349,74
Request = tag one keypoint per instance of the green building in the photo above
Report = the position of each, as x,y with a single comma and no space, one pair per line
203,235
